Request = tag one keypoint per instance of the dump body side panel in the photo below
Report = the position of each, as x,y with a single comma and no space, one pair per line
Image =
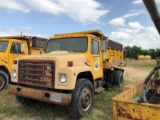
113,55
126,107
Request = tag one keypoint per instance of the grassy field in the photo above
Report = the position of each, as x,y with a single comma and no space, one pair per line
10,109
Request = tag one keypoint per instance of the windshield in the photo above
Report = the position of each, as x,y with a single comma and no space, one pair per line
68,44
3,46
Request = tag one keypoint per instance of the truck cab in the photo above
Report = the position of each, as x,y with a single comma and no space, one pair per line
82,43
12,47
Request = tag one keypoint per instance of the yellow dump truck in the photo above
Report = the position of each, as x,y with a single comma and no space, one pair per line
12,47
141,101
75,67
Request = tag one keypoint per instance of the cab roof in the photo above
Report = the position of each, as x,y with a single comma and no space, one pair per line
15,37
22,37
97,33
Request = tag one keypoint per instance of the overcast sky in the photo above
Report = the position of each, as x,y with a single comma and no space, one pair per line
125,21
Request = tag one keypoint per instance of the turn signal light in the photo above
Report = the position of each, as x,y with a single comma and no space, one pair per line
70,63
14,61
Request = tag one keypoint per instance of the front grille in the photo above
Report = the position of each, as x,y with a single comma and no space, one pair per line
38,73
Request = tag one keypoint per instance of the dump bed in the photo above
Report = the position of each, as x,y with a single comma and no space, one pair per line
35,42
127,107
113,55
38,42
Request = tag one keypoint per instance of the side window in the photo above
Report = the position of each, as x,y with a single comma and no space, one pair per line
94,47
15,48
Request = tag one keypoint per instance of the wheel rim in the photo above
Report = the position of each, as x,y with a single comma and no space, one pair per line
85,99
2,82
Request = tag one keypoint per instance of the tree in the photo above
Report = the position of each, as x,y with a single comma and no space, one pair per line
152,53
132,52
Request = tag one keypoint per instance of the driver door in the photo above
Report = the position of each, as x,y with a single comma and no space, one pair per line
96,59
17,50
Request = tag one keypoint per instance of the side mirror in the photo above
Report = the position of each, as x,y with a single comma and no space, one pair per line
104,44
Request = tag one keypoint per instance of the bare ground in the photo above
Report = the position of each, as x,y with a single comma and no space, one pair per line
135,74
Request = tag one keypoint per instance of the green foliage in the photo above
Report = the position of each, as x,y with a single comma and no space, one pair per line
133,52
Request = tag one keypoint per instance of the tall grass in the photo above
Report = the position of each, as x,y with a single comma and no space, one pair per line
10,109
141,63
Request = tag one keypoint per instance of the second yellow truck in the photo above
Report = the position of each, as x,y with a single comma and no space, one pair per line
12,47
75,67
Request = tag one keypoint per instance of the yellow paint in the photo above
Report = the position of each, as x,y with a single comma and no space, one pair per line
125,108
144,57
89,61
114,57
7,56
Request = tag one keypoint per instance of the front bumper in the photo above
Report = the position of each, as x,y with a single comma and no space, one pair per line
41,95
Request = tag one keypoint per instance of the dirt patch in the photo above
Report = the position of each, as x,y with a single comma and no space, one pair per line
136,74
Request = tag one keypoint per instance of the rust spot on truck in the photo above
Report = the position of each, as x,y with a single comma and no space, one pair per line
41,95
122,112
37,73
125,113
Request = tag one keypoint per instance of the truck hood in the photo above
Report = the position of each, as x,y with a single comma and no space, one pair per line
1,54
3,57
61,57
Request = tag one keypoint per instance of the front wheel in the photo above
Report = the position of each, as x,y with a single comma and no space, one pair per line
4,80
82,99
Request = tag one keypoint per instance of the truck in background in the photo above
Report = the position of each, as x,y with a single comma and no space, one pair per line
75,67
12,47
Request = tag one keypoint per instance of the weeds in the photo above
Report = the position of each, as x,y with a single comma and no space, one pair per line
10,109
141,63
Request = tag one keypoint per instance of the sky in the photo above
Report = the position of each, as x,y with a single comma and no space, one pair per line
124,21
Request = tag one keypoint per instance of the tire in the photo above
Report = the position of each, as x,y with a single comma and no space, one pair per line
25,101
111,77
4,80
118,78
82,99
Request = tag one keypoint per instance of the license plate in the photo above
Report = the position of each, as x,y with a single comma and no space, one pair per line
56,98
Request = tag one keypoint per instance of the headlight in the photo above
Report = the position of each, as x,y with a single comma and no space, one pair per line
63,78
14,74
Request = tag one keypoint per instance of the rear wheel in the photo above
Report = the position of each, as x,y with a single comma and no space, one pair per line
118,78
111,77
4,80
82,99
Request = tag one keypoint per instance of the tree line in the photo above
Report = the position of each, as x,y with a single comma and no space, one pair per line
134,51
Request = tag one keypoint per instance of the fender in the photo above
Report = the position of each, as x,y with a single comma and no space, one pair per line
5,65
72,74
